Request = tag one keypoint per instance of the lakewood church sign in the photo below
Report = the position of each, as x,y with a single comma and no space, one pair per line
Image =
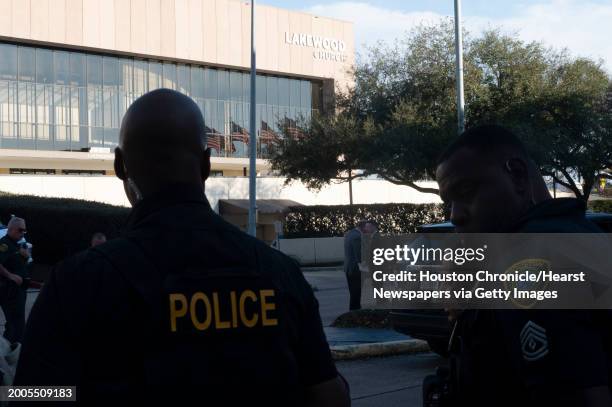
325,49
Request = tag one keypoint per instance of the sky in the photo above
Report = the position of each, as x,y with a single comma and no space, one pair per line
583,27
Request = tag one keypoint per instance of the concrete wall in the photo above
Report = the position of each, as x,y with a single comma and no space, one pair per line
310,251
211,31
110,190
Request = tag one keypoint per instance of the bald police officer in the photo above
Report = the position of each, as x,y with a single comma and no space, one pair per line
14,279
493,186
184,306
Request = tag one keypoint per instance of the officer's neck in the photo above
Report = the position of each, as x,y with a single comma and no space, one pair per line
152,191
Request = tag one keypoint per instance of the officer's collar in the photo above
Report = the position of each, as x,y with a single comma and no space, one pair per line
166,197
551,208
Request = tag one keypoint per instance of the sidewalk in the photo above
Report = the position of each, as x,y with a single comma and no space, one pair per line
353,343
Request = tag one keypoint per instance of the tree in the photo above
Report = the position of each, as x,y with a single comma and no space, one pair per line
401,113
570,134
320,151
561,107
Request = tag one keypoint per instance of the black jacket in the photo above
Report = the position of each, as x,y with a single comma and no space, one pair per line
183,306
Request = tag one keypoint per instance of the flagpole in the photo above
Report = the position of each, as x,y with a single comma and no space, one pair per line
459,68
252,227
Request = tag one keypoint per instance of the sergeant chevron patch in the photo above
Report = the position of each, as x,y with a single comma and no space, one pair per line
534,342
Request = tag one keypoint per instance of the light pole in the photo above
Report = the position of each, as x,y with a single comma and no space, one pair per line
252,226
459,68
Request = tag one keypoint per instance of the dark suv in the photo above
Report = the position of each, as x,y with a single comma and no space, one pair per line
432,325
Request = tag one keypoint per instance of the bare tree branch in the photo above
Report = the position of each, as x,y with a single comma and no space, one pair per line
572,184
411,184
559,181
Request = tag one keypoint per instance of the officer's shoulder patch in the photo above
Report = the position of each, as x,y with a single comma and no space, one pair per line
534,342
3,247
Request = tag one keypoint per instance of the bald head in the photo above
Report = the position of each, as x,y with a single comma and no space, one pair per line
16,228
162,142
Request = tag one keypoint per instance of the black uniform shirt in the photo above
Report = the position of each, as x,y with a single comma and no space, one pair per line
535,357
184,305
10,257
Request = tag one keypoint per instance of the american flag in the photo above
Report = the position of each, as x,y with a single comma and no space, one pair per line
292,129
213,139
267,135
239,133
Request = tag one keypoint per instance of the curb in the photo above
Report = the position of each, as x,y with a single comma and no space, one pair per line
377,349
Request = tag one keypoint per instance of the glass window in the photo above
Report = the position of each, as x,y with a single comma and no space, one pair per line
222,119
94,70
155,75
210,83
8,61
272,90
283,91
316,96
141,78
111,137
273,118
260,90
95,107
74,130
43,109
61,116
306,95
109,108
27,66
61,62
197,81
223,85
246,87
26,113
169,70
77,69
44,66
235,85
9,110
83,118
210,113
294,93
110,70
7,107
126,72
74,109
183,79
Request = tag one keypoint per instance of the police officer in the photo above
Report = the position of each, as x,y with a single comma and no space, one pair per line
492,185
14,277
184,307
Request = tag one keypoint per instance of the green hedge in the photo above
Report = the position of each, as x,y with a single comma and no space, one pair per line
60,227
335,220
601,206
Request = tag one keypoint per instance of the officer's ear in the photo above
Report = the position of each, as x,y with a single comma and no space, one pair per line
519,173
205,168
119,164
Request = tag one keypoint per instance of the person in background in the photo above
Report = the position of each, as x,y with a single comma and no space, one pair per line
352,258
97,239
14,258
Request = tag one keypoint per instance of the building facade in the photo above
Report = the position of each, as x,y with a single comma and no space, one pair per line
70,68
